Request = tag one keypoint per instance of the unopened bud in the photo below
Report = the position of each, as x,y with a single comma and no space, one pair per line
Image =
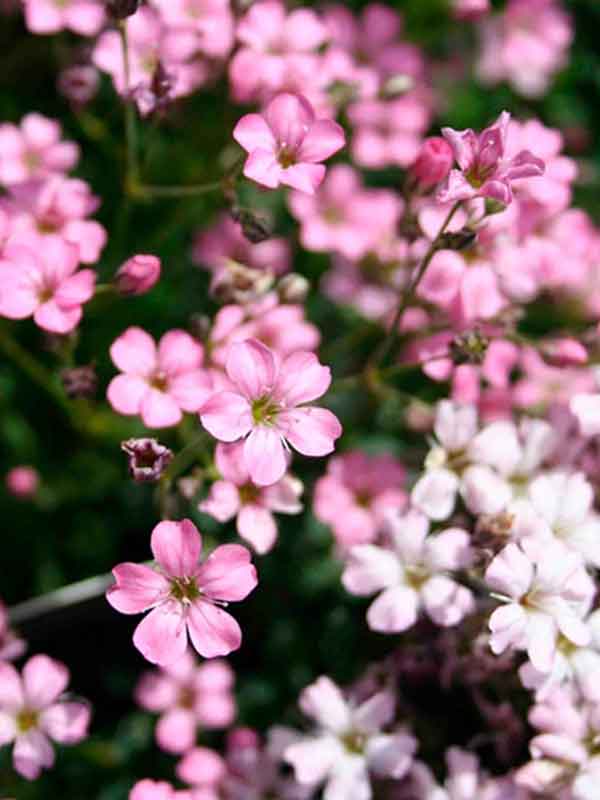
199,326
79,83
470,9
397,85
293,288
256,228
433,163
493,206
79,381
469,348
564,352
237,283
137,275
121,9
461,240
148,459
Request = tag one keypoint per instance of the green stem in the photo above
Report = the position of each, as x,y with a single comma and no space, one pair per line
131,137
147,191
182,461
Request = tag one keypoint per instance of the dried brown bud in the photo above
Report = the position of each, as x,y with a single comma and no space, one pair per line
79,381
255,227
293,288
236,283
148,459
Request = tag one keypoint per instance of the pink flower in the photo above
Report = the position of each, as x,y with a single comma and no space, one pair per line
547,592
203,769
236,495
33,712
433,163
267,408
410,574
138,275
357,494
348,742
188,696
287,144
470,9
183,596
44,283
22,482
34,150
484,170
158,383
85,17
152,790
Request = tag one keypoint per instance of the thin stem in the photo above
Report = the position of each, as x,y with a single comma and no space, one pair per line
60,598
182,461
147,191
408,294
131,138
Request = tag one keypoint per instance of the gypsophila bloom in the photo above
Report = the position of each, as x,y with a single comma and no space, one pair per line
34,149
148,459
33,712
184,597
287,144
85,17
267,408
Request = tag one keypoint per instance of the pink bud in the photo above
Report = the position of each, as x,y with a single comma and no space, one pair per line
22,482
433,162
242,739
564,352
138,275
470,9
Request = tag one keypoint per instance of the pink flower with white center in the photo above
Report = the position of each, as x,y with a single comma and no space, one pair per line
188,696
484,169
85,17
184,597
287,143
411,574
357,494
11,647
268,409
158,382
236,496
34,149
547,592
33,712
56,206
349,742
45,284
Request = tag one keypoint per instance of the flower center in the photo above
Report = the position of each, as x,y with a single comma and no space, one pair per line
185,590
354,742
286,156
264,410
159,381
187,698
26,720
249,493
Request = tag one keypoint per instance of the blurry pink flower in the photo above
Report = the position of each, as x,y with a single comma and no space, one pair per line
267,408
433,162
348,742
210,22
11,647
357,493
34,149
203,769
33,712
85,17
236,495
183,596
484,169
287,144
470,9
158,382
44,283
138,275
22,482
188,696
410,574
586,408
78,83
547,592
152,790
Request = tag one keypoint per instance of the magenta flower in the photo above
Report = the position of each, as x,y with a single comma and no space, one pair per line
45,284
287,144
32,712
484,169
184,597
158,383
266,407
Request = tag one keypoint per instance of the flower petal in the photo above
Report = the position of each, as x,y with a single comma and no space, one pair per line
264,456
227,574
177,547
227,416
213,631
161,636
252,368
138,588
312,431
43,681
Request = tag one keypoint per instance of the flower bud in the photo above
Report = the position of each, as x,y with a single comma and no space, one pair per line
22,482
121,9
255,227
564,352
493,206
199,326
470,9
236,283
79,381
433,163
137,275
397,85
293,288
148,459
79,83
461,240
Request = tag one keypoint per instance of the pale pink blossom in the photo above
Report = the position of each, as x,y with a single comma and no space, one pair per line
413,572
34,149
184,598
22,482
268,408
349,742
546,592
189,697
158,382
356,495
204,770
85,17
209,22
484,170
286,144
45,283
234,495
34,712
